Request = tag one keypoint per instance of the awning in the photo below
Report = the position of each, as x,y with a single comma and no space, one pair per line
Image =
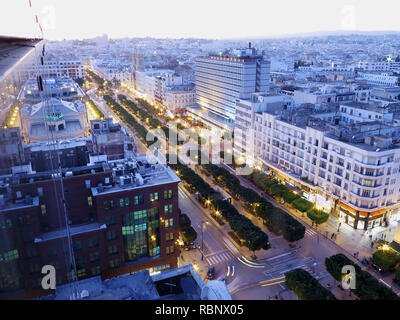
348,208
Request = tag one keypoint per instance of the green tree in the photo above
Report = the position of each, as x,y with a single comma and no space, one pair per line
318,216
306,287
302,204
367,286
386,259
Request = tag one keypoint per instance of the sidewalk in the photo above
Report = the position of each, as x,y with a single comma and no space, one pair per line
193,256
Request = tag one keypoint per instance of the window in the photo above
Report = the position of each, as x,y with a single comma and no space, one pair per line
34,268
94,256
138,200
40,192
167,194
96,270
93,243
169,236
51,252
124,202
90,201
170,250
108,205
168,208
31,252
113,249
111,235
154,196
87,183
81,273
169,223
114,263
9,256
28,236
110,221
77,245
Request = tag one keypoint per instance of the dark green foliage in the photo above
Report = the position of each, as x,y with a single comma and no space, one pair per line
367,286
279,190
386,259
277,220
184,221
306,287
252,236
302,204
318,216
188,235
94,77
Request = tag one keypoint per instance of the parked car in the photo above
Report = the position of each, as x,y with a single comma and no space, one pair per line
211,273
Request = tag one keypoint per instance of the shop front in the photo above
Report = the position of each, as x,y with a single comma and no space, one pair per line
361,219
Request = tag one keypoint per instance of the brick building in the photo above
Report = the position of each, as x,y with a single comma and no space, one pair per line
122,217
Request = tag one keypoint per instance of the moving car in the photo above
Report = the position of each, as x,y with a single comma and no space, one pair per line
211,273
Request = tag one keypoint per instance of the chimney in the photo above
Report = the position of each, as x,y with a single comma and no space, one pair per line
249,45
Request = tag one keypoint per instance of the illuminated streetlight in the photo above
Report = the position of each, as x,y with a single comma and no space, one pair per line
385,247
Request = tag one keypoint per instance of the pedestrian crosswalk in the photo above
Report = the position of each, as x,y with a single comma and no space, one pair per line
218,257
182,193
277,266
311,233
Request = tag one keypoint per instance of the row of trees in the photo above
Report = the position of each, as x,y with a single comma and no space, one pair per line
96,109
121,112
252,236
278,190
367,287
144,104
93,76
185,228
277,220
144,115
306,287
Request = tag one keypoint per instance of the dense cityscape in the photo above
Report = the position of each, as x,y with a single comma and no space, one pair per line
200,169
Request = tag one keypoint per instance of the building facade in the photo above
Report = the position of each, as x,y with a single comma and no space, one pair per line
347,167
122,217
221,79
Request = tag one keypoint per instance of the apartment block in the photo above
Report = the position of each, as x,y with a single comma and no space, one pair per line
120,216
344,157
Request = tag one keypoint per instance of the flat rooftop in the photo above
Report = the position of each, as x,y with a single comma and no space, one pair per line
175,284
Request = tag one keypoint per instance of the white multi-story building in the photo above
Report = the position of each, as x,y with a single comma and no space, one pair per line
387,65
221,79
351,169
380,79
52,68
177,98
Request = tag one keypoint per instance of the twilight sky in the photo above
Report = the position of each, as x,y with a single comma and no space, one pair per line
78,19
